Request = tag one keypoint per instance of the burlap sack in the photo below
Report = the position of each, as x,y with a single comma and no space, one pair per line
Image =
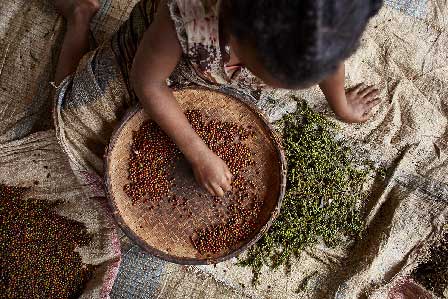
403,52
29,33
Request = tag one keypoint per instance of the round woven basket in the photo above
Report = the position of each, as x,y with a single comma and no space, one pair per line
164,230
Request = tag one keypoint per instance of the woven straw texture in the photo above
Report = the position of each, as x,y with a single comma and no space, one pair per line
166,231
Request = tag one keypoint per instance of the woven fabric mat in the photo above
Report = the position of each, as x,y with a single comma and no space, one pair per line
139,275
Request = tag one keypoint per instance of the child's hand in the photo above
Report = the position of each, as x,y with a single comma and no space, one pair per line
212,173
360,101
352,105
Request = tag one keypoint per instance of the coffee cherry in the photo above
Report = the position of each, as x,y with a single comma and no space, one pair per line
152,159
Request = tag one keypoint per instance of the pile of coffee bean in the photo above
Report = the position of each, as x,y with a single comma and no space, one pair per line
37,249
153,154
152,160
239,225
225,139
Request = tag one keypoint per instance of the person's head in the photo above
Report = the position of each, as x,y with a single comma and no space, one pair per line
295,43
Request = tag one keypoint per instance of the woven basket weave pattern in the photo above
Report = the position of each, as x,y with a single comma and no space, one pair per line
164,230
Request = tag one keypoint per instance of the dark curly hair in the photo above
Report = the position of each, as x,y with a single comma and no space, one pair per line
299,41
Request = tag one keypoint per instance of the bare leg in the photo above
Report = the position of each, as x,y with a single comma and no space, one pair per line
78,14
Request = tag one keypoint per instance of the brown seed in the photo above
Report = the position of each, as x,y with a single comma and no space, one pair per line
152,159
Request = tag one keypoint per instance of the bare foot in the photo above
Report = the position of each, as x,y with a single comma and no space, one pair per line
77,10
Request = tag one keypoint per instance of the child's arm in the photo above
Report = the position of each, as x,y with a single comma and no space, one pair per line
155,60
353,105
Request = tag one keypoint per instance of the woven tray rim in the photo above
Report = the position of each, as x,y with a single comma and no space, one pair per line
192,261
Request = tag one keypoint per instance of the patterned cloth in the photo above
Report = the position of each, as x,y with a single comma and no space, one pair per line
198,30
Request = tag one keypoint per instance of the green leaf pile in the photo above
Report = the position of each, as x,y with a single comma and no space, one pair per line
324,193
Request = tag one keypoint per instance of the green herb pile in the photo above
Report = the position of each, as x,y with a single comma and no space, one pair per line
324,195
